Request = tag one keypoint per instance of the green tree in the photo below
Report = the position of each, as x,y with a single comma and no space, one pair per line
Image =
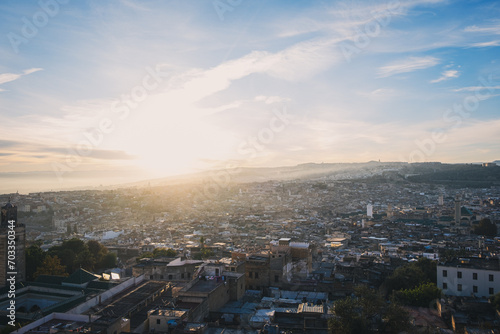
367,312
495,301
146,255
97,250
108,261
67,256
85,260
34,258
411,275
347,318
75,244
396,319
51,265
163,252
422,295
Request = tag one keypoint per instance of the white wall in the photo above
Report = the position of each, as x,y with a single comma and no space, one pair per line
483,283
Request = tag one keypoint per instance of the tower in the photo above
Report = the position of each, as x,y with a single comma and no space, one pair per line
458,210
12,245
441,200
369,210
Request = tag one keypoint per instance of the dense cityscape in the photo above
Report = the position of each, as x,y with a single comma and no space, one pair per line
260,167
279,255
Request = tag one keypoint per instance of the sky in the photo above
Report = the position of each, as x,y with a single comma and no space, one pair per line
105,92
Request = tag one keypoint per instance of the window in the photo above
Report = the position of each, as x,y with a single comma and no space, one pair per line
276,278
189,275
250,275
150,276
459,287
491,278
445,273
474,276
459,274
445,286
217,272
233,269
161,276
158,321
491,291
170,276
256,275
474,288
182,275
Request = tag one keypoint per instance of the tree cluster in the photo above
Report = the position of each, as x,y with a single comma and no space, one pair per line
66,258
368,312
158,252
414,284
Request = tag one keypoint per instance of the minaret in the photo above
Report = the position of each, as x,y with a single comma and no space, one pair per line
458,210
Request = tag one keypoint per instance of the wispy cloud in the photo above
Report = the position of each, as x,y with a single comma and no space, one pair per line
476,88
450,74
407,65
271,99
487,30
8,77
379,94
485,44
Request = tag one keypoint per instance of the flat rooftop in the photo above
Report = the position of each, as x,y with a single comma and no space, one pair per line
130,298
169,313
475,263
204,286
60,325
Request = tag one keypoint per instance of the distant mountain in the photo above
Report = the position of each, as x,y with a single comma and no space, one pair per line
460,175
320,171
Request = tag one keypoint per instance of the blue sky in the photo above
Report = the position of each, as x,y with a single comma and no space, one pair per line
103,92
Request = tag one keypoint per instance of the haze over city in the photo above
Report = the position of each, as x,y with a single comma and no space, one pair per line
119,91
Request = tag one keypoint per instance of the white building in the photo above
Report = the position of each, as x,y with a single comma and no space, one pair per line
478,277
369,210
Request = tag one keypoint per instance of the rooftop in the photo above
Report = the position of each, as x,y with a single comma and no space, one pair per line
204,286
475,263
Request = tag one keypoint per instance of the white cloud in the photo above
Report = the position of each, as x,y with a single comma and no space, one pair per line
379,94
271,99
450,74
486,44
476,88
8,77
488,30
407,65
32,70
